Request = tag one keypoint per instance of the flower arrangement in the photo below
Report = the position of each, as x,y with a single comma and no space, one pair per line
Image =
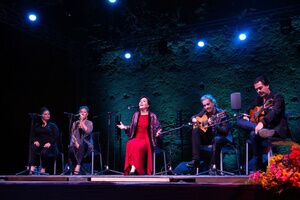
283,172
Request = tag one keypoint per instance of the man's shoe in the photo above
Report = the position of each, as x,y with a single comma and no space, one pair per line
266,133
193,164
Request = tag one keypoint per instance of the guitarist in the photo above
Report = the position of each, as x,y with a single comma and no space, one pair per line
206,133
269,118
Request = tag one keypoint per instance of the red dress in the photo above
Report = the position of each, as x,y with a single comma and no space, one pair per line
138,149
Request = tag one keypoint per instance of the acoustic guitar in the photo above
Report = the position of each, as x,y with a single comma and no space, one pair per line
258,112
202,122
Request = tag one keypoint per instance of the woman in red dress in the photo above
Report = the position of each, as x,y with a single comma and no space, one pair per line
143,132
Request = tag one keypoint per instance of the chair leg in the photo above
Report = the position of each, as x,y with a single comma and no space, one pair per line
54,167
247,158
270,153
100,158
221,160
154,163
165,161
92,167
62,162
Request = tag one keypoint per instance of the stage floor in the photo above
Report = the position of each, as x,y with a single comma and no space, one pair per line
116,187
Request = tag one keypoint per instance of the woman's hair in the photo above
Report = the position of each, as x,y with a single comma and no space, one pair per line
210,97
149,102
84,107
43,109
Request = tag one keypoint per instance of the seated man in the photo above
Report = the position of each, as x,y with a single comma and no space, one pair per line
266,119
209,128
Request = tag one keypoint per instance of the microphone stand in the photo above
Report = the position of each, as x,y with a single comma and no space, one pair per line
107,170
27,170
71,117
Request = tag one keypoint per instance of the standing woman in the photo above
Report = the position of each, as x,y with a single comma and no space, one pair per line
43,143
80,143
143,132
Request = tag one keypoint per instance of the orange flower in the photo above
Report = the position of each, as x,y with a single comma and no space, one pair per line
282,173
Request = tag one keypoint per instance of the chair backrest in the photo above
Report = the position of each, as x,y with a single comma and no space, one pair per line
96,142
59,142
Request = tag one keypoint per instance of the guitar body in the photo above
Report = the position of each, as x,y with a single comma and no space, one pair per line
255,116
258,112
202,123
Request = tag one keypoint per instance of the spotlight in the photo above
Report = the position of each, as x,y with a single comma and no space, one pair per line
32,17
127,55
243,36
201,43
112,1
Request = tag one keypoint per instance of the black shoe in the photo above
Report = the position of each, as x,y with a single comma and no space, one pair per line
193,164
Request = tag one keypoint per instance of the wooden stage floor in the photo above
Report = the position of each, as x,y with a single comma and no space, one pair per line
117,187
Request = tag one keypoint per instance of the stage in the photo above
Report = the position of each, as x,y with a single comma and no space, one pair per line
132,187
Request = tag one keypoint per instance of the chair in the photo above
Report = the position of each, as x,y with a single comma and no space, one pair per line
159,151
272,142
94,152
60,154
225,150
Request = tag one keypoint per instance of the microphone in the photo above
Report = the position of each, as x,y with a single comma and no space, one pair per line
67,113
71,114
131,107
34,114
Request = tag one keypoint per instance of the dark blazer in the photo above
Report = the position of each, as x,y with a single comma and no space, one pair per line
275,115
152,129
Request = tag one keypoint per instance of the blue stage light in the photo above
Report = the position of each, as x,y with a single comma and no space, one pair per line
242,36
112,1
127,55
201,43
32,17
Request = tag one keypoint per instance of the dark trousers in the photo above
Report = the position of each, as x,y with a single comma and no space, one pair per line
39,152
76,155
259,144
200,138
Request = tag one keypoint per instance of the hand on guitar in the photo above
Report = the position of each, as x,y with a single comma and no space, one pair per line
205,122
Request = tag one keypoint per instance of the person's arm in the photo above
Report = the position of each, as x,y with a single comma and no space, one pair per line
55,134
275,112
223,127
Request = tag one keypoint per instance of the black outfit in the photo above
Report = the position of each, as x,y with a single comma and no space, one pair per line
47,134
217,136
274,120
85,143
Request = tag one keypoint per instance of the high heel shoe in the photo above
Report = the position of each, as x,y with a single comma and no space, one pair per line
133,173
76,172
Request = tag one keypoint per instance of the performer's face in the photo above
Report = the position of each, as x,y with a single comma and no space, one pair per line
83,113
46,115
261,89
143,104
208,105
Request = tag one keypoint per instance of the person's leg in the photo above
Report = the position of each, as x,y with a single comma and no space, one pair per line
217,144
33,158
258,150
245,124
79,157
196,142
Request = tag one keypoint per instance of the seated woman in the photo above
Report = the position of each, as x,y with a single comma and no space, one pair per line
43,143
80,143
143,132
